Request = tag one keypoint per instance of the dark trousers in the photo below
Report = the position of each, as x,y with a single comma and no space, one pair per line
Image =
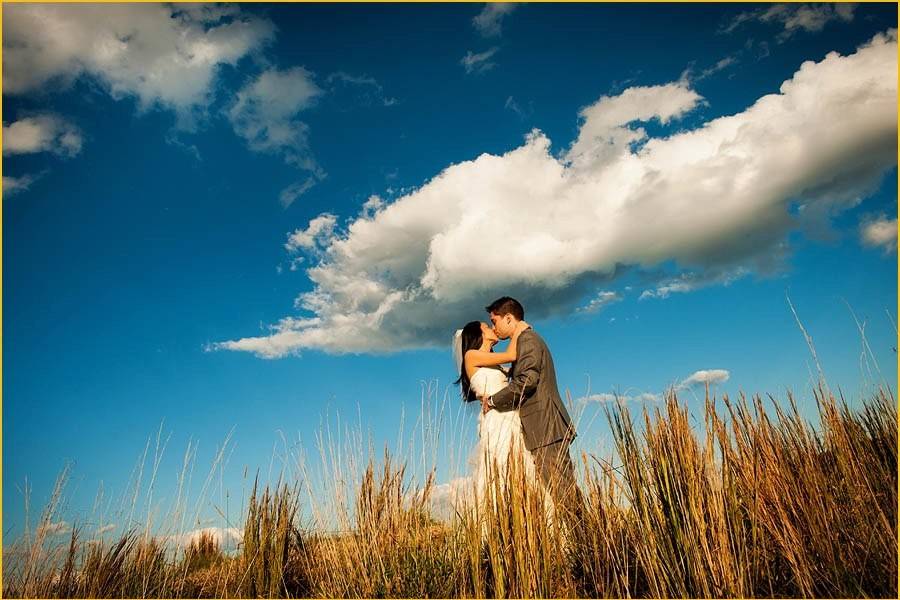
558,474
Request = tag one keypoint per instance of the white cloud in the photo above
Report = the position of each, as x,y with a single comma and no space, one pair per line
372,205
159,54
688,282
223,536
480,62
620,398
166,56
879,232
689,75
702,377
605,133
600,301
796,17
106,528
295,262
58,528
514,106
721,64
552,232
206,13
318,230
42,133
265,113
448,498
295,190
14,185
490,20
38,133
369,91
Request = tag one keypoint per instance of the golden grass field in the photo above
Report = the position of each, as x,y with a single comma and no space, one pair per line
753,502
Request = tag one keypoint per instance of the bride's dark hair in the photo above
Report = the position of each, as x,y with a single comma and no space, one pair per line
471,340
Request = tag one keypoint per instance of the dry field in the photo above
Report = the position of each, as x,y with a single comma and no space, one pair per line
755,502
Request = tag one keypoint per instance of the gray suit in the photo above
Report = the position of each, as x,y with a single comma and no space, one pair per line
532,389
546,424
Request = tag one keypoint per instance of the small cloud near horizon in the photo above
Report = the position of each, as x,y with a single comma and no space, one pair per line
620,398
223,536
703,377
58,528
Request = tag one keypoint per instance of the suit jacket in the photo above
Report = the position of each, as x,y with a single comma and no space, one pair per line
532,389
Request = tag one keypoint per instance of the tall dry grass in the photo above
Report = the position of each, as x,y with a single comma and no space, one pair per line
753,502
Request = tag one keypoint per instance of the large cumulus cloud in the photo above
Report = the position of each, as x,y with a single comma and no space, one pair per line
554,231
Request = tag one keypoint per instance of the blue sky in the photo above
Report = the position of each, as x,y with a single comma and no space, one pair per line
255,219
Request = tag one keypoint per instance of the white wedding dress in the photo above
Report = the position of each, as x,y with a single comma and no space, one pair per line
499,435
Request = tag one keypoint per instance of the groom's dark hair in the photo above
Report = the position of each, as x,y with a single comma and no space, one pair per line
506,306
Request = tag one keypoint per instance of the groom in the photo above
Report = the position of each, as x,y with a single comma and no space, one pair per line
546,424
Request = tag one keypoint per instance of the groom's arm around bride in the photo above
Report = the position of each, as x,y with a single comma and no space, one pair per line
532,389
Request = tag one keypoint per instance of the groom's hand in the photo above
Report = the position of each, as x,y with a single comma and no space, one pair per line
485,407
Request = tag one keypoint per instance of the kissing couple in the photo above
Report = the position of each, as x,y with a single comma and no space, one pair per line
522,413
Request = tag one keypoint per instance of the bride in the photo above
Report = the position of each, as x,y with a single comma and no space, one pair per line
480,374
